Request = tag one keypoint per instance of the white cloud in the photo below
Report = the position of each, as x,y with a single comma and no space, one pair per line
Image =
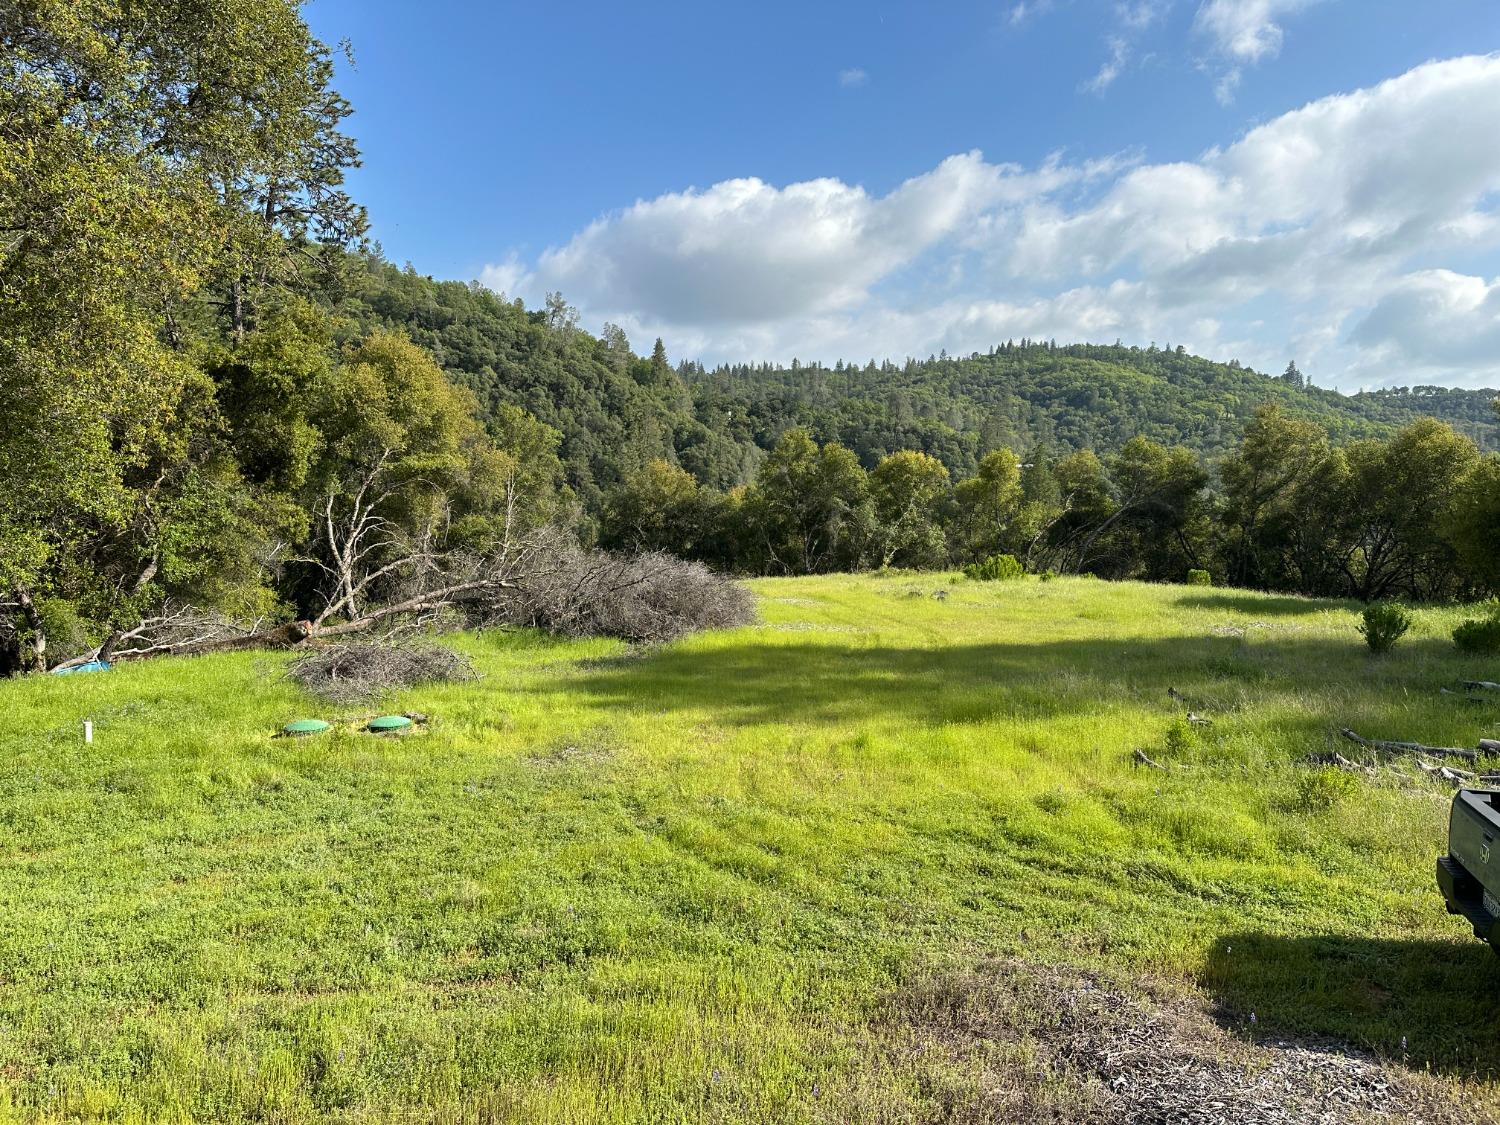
1334,215
1351,181
1245,29
1132,19
1025,10
1435,319
1243,32
1138,15
509,277
745,251
854,76
1119,54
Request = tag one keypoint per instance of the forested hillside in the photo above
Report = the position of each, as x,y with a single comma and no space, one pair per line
616,412
613,410
1040,396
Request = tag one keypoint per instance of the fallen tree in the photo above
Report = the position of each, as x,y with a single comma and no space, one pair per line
1387,747
372,572
545,581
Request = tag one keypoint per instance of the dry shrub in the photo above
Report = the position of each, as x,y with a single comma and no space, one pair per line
350,673
649,598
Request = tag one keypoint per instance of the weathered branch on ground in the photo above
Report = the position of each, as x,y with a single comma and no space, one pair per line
1198,720
1446,773
1387,747
1139,759
1458,776
1338,761
183,634
1481,685
1467,698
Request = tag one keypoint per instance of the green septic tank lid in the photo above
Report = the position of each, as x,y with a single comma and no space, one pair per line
305,726
388,723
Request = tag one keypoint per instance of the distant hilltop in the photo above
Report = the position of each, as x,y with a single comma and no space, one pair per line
614,409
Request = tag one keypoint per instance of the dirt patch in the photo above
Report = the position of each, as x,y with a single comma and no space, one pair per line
1013,1042
564,754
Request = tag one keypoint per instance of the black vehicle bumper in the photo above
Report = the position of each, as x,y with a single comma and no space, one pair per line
1465,896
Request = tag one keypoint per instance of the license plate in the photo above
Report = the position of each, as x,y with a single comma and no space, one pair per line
1491,905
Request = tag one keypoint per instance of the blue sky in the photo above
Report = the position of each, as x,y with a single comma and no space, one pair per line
1251,178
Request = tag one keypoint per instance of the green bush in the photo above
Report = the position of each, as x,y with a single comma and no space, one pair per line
1199,578
996,568
1480,636
1385,623
1320,790
1182,738
67,631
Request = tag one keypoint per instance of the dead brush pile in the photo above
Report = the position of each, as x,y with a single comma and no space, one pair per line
352,673
649,599
1014,1042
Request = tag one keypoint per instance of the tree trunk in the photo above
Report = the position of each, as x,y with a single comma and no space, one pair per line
282,636
34,660
237,311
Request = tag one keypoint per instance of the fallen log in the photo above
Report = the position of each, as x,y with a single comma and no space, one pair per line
1481,685
1409,747
1139,759
1467,698
1446,773
1489,745
1336,760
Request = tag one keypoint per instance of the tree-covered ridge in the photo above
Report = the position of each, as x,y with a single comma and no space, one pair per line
614,411
1040,396
617,412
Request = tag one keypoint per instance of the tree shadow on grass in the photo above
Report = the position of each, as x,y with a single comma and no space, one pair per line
1259,605
834,682
1440,997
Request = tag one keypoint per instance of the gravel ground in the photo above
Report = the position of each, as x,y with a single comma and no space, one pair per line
1012,1042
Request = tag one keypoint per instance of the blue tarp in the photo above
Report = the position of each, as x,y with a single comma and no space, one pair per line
91,666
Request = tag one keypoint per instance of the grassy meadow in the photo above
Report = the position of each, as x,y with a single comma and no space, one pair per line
683,884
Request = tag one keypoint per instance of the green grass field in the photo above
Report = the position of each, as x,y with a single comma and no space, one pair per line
680,884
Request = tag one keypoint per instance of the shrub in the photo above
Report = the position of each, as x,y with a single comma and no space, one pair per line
996,568
1321,789
1480,636
67,631
1199,578
1182,737
649,598
354,672
1385,623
